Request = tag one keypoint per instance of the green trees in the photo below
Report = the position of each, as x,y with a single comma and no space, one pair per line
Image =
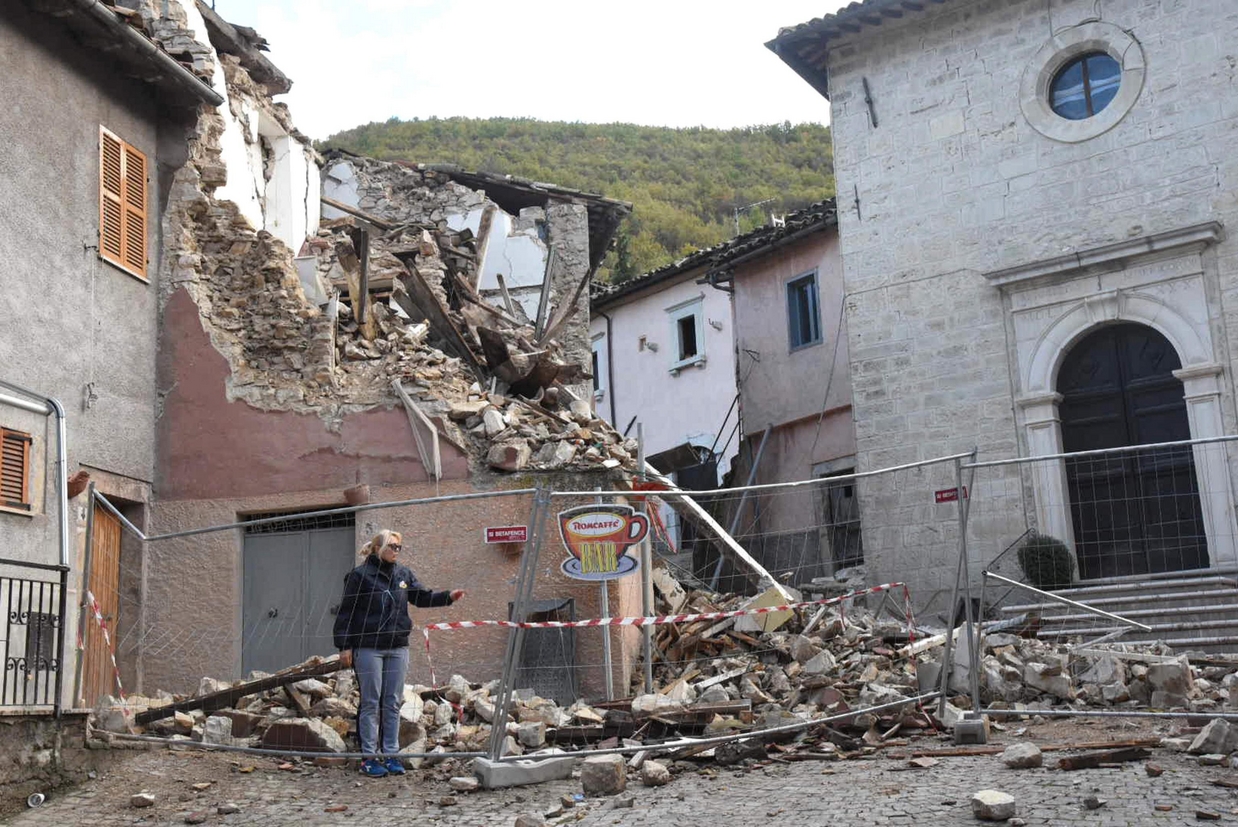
684,184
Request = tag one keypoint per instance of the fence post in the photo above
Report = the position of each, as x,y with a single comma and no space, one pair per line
972,621
61,623
515,639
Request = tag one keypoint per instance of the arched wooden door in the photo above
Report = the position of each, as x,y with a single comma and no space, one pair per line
1139,512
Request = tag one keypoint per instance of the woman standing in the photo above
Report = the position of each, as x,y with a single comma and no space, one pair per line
371,632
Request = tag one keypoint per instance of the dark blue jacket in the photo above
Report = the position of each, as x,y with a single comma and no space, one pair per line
374,611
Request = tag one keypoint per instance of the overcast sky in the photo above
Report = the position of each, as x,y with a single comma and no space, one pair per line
654,62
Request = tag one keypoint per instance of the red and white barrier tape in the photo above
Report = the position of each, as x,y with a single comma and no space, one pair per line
655,621
107,641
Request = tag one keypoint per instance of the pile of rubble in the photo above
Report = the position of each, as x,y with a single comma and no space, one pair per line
851,663
493,381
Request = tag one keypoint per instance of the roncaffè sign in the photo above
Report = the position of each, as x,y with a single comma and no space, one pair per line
600,538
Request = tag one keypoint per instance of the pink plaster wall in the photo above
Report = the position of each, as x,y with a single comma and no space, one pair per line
210,447
786,386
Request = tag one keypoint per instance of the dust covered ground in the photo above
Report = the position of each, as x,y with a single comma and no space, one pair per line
878,788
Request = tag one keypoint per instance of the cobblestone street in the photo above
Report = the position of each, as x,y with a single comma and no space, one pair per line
878,790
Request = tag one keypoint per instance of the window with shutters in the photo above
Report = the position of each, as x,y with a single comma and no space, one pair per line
122,204
14,469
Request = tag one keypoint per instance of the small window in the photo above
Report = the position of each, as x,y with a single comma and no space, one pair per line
122,204
598,346
688,329
14,469
803,313
1085,86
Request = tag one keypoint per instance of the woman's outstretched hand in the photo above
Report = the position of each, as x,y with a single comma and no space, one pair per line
456,595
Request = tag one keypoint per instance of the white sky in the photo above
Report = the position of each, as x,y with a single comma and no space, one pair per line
652,62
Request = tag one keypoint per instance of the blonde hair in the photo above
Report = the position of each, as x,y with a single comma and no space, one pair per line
380,541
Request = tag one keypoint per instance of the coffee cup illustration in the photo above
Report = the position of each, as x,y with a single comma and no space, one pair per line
599,537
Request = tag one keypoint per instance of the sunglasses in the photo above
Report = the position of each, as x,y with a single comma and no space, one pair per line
395,546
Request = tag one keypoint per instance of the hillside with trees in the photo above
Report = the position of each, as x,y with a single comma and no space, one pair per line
684,184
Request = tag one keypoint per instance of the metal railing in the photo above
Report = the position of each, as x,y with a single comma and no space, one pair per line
33,609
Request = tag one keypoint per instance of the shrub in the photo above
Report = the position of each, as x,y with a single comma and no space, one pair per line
1046,562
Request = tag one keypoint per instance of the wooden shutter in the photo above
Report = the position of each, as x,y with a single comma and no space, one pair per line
122,204
14,469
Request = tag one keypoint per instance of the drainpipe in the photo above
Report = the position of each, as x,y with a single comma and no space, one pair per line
610,368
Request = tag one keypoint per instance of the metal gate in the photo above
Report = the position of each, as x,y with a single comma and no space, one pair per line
293,578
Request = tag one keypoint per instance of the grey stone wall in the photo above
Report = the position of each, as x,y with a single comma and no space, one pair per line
955,182
74,327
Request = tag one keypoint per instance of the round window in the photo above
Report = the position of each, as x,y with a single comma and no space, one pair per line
1085,86
1082,82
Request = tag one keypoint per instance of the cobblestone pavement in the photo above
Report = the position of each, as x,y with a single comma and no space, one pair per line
873,791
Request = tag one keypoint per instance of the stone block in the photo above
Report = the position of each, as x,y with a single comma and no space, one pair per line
1172,678
803,649
307,734
1219,735
992,805
821,663
532,735
604,775
1022,756
217,730
654,774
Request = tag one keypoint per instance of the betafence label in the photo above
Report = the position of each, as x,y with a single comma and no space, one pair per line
507,534
599,538
949,495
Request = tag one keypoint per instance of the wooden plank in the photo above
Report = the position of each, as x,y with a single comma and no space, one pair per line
418,293
356,213
565,312
994,750
483,243
297,700
543,304
431,455
1091,760
226,698
507,297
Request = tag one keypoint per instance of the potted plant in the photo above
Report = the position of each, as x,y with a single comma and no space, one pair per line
1046,562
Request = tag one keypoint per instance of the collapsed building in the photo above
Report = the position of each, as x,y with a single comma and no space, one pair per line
423,337
392,332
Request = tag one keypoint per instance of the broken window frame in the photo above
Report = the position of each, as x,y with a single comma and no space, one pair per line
15,447
124,199
693,308
601,380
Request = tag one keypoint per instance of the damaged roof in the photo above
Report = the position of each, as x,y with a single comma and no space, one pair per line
813,218
247,45
805,47
514,193
117,33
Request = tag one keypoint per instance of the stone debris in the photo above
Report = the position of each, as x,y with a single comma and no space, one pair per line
992,805
712,680
654,774
604,775
1022,756
141,800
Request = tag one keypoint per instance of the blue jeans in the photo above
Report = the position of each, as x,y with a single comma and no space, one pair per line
380,677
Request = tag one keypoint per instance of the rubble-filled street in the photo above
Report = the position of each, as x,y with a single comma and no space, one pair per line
880,788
